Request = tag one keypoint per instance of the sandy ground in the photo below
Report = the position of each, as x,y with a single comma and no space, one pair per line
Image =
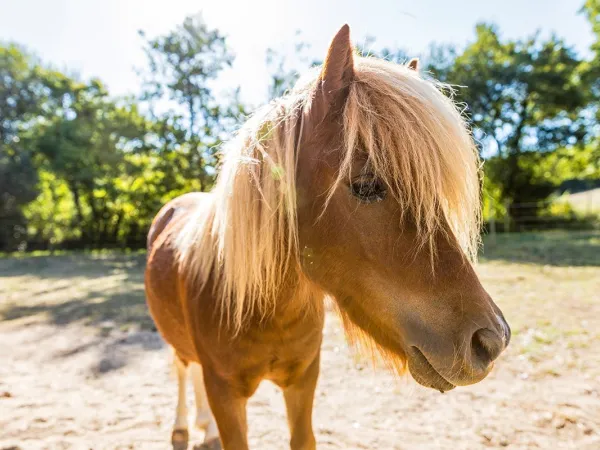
82,369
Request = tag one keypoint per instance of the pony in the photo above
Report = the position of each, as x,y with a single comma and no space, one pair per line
362,184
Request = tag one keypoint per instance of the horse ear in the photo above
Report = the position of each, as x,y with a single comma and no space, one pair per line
338,69
413,64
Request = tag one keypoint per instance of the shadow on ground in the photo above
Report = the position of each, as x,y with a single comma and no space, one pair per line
101,291
99,309
74,264
557,248
104,292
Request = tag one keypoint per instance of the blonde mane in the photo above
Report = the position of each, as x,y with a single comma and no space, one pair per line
415,140
418,143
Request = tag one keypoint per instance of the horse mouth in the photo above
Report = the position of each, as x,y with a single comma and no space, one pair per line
425,374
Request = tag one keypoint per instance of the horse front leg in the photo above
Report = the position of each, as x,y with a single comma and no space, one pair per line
228,407
299,403
204,417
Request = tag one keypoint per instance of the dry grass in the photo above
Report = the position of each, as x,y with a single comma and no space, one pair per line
83,366
548,284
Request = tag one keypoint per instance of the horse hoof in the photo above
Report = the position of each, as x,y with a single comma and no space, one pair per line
213,444
179,439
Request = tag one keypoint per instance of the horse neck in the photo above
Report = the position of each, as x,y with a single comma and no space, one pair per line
298,296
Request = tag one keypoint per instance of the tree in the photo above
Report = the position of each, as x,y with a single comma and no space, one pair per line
20,92
591,69
181,66
78,167
591,9
523,96
89,145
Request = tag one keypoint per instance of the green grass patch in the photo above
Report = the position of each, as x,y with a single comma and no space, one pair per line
555,248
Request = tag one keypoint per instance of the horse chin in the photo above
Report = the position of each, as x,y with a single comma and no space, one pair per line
424,373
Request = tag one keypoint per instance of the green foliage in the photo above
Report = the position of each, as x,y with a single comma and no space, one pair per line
21,97
50,215
545,173
527,94
79,168
93,171
591,9
493,207
181,65
86,145
527,98
591,69
566,164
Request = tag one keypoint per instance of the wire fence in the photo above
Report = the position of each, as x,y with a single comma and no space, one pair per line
574,212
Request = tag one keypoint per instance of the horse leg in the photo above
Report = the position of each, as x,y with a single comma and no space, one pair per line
204,418
299,403
229,410
180,435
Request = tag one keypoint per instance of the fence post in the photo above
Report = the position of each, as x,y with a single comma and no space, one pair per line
491,215
506,217
493,229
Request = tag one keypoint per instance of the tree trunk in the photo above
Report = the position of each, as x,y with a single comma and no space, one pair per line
114,235
512,188
78,210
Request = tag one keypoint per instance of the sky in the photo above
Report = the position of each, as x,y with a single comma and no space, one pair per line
99,38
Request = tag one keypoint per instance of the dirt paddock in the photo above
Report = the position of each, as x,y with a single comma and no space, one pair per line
83,368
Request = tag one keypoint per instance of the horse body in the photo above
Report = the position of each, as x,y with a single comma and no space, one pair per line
282,348
362,185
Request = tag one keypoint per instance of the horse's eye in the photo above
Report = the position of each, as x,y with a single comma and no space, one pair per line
368,190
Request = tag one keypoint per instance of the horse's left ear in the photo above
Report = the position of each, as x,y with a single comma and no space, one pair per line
338,69
413,64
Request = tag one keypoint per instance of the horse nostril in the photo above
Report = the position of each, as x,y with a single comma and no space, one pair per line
486,346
